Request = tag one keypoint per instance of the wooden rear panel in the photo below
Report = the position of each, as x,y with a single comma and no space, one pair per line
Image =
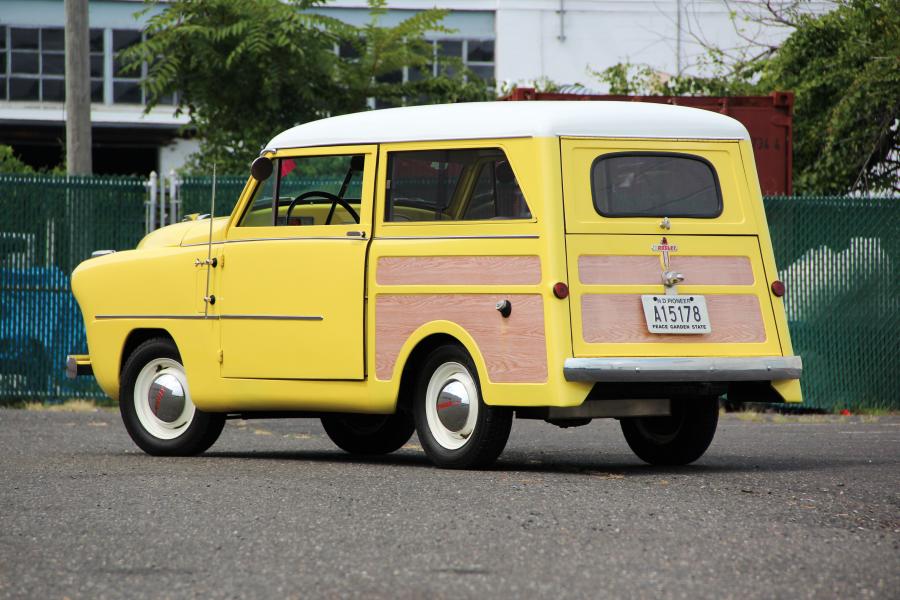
646,270
619,319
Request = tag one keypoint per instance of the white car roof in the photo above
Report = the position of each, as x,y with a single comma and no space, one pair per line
479,120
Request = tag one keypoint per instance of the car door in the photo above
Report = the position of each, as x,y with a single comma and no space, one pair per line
291,299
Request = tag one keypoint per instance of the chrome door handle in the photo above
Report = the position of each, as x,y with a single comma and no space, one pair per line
359,234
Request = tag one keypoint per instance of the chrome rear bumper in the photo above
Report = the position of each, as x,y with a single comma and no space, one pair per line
762,368
78,364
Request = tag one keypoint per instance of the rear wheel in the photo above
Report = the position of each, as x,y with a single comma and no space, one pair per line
678,439
369,434
456,428
156,405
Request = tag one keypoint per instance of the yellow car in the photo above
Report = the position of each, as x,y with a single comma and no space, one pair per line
442,269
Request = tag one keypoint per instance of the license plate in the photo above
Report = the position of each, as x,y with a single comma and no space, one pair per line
676,314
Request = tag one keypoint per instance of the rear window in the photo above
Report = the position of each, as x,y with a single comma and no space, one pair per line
643,184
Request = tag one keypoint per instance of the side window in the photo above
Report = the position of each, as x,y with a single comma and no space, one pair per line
453,185
308,190
644,184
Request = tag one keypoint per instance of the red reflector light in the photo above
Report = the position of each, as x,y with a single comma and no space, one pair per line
561,290
778,288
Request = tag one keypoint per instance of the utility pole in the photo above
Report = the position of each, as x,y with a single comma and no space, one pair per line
678,38
78,89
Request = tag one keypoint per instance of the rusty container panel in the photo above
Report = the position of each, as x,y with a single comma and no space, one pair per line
768,119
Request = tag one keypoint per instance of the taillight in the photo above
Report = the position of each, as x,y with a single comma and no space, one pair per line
560,290
778,288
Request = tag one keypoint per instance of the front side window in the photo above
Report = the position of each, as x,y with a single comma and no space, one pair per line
642,184
453,185
308,190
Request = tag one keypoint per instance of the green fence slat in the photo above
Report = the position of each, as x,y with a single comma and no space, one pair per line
839,256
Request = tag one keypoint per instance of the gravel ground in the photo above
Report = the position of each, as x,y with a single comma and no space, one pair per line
780,507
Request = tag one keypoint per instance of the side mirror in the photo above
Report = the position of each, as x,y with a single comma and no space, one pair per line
261,169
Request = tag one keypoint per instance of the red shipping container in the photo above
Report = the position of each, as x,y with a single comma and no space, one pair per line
768,119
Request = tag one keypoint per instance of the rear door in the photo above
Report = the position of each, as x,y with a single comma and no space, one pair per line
636,210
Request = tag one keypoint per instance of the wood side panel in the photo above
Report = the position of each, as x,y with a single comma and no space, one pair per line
640,270
514,348
619,270
713,270
458,270
619,319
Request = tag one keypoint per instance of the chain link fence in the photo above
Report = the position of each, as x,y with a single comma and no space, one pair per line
47,226
840,259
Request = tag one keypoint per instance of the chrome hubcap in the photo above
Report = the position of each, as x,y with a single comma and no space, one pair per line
162,399
451,405
166,398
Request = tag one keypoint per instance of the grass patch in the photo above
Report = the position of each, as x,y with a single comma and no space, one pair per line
75,405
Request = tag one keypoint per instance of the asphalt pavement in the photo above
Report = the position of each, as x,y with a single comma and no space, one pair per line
779,507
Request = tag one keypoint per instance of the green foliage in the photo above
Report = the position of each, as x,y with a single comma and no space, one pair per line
242,69
642,80
10,163
844,68
380,53
247,69
541,85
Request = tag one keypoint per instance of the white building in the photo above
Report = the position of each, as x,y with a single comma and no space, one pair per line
509,41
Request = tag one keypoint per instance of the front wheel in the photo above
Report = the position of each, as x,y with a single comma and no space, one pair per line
156,405
678,439
456,428
369,434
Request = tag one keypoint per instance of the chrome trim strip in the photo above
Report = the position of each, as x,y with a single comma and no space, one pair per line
273,317
409,141
763,368
277,239
202,317
712,138
154,317
458,237
362,239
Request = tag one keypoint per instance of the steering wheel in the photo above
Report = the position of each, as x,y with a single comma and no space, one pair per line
335,200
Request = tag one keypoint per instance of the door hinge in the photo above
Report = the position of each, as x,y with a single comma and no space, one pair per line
221,357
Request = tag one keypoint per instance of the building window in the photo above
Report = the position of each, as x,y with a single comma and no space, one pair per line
476,55
126,83
34,64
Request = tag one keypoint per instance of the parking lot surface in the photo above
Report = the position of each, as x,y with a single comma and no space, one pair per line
779,507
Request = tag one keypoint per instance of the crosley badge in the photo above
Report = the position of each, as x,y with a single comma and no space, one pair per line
665,247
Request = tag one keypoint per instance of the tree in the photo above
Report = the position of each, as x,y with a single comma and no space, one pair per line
844,69
245,69
373,67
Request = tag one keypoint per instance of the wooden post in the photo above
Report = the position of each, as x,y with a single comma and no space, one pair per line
78,89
